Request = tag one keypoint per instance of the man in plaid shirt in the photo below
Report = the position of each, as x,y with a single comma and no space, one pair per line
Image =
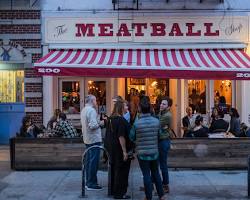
64,128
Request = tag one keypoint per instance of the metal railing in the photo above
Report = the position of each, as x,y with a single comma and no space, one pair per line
83,195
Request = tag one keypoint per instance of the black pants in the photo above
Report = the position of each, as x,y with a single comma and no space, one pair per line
119,177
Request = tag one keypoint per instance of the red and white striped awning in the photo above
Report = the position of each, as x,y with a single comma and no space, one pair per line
157,63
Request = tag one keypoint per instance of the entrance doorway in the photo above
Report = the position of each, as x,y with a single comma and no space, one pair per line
72,92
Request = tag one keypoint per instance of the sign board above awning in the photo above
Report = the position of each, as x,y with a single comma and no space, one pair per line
141,63
166,29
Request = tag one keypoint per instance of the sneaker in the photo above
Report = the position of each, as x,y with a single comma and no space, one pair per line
142,188
97,187
163,198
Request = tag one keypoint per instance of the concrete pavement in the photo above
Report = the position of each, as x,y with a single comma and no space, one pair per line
66,185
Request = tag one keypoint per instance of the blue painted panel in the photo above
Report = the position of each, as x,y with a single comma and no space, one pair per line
11,115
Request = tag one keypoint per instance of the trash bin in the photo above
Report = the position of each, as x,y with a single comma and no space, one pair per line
11,115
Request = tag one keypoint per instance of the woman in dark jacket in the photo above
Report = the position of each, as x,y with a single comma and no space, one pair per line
199,130
28,128
215,114
219,125
118,145
234,122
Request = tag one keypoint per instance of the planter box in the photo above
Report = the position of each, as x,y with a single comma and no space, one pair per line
62,153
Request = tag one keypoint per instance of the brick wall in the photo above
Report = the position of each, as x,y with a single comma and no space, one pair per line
20,14
34,102
30,73
22,29
27,43
33,87
36,117
36,57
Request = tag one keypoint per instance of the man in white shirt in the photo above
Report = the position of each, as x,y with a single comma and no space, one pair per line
91,132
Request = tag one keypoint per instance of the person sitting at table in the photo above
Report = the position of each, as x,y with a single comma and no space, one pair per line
53,120
219,124
64,128
28,128
187,121
234,122
199,130
222,104
214,115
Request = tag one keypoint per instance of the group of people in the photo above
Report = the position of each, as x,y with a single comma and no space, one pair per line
148,136
58,126
193,124
198,101
147,133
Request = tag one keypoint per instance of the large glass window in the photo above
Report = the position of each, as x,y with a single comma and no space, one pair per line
71,97
197,95
11,86
135,86
157,88
154,88
150,86
223,94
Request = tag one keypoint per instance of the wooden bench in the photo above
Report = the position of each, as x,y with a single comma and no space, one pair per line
60,153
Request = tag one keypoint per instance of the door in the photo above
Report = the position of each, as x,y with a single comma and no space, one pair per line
100,88
71,96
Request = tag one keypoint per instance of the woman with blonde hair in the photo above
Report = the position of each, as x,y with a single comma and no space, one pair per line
118,145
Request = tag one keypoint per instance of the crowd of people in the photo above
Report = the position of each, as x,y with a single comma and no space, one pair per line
144,133
198,102
148,136
193,125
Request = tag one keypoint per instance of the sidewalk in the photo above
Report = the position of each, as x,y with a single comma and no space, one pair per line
66,185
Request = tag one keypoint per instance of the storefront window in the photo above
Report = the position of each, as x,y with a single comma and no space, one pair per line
135,86
71,97
157,88
11,86
98,89
197,95
154,88
223,94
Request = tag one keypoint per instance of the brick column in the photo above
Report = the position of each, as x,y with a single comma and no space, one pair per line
25,31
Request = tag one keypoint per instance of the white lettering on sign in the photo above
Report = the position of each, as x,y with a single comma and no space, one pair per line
243,75
49,70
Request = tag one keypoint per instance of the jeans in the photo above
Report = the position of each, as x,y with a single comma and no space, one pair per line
150,171
91,164
164,146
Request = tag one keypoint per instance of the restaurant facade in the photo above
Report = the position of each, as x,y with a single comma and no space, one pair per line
194,58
